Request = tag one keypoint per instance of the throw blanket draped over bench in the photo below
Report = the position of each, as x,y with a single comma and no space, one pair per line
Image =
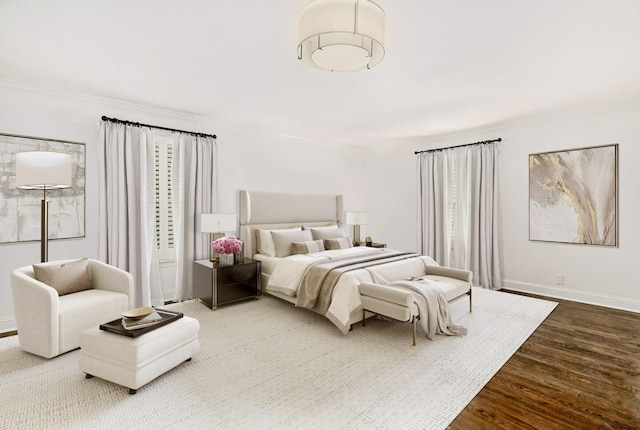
433,306
317,284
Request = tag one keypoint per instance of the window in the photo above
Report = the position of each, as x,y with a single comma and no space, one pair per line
453,202
163,200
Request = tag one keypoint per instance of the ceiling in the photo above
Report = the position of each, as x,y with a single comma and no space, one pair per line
450,65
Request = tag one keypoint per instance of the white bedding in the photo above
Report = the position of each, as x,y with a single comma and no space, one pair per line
268,263
261,210
286,276
346,306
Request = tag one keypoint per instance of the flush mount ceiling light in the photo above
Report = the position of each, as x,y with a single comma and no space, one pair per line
341,35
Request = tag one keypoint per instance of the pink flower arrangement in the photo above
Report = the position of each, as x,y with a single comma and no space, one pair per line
226,245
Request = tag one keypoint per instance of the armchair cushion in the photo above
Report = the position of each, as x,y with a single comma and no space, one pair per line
65,277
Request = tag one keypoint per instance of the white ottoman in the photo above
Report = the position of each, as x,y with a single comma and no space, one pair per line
135,361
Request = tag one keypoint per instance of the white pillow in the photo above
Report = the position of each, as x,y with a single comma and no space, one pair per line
319,227
265,244
283,239
326,233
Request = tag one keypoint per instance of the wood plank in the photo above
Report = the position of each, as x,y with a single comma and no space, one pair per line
579,370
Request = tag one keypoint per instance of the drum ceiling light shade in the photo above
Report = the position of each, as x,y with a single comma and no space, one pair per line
341,35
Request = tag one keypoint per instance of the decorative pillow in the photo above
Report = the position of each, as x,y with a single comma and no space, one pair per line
264,241
65,278
307,247
319,227
326,233
282,240
338,243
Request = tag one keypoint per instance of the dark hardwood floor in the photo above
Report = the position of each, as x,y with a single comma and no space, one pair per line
8,333
579,370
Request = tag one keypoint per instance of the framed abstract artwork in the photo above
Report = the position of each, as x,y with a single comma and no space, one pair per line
573,196
20,209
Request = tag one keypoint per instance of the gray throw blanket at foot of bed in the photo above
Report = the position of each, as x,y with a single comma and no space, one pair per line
434,308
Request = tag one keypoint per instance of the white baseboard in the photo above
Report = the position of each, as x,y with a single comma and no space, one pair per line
621,303
7,324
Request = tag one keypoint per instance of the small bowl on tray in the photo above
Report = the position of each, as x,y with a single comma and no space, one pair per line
138,313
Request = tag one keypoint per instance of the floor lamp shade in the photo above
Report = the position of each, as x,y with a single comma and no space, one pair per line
40,170
43,170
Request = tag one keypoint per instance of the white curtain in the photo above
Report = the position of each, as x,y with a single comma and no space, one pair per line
127,206
194,192
459,210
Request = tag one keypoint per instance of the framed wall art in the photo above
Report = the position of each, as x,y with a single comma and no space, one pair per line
573,196
20,209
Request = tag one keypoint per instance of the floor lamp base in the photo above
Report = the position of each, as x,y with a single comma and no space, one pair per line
44,231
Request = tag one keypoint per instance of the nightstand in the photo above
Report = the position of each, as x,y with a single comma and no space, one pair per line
377,245
216,285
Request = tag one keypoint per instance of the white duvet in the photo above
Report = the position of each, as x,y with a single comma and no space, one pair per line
287,275
346,306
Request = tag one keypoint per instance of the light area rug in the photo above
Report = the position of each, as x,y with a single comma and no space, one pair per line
264,364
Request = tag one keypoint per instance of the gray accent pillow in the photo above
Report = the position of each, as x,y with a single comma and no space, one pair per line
65,278
338,243
306,247
326,233
282,240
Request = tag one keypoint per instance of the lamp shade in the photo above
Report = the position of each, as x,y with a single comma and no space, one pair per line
341,35
356,218
217,223
39,170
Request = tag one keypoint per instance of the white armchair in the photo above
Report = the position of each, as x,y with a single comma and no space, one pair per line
49,324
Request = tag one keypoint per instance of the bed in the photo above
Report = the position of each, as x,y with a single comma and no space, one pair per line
271,222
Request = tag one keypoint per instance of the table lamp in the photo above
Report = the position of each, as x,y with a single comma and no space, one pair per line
356,219
217,224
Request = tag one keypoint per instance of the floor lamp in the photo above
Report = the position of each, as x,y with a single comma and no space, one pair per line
43,170
217,225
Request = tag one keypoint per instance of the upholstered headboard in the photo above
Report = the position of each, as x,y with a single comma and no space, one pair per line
267,210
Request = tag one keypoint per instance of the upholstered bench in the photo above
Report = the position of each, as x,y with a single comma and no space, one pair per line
390,302
134,361
398,304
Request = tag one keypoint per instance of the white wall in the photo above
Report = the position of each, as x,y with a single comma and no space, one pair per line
249,159
379,181
592,274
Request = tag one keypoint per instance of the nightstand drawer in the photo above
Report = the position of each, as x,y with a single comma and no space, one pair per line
235,274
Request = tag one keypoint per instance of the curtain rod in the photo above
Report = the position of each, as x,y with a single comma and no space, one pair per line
137,124
482,142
